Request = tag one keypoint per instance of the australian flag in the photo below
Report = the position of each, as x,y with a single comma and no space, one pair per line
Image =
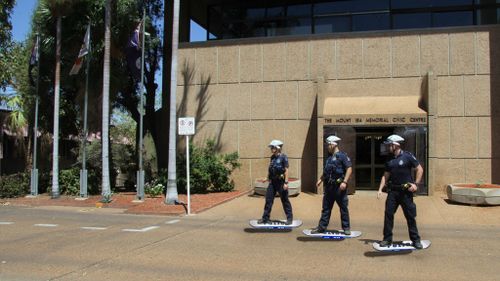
34,59
133,53
84,50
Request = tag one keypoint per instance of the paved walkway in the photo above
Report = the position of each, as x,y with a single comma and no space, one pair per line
218,244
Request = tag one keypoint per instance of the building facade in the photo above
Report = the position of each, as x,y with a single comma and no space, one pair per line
429,73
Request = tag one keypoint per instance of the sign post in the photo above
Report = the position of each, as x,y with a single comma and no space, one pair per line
187,128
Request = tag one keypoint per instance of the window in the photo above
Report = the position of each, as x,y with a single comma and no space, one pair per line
273,18
371,22
488,16
452,18
414,20
275,12
410,4
299,11
332,24
355,6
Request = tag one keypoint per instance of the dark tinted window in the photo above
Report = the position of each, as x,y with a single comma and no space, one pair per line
410,4
332,24
488,16
275,12
299,10
256,13
371,22
452,19
447,3
299,26
272,18
289,27
350,6
415,20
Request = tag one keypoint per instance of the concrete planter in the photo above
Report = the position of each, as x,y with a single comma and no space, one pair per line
260,186
476,194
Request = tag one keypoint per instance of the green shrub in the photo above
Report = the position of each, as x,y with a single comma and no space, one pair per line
154,188
69,182
14,185
209,171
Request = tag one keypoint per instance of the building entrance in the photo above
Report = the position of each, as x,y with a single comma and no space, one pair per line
364,145
370,162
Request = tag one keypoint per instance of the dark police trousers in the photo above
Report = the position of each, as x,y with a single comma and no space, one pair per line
277,185
334,194
405,199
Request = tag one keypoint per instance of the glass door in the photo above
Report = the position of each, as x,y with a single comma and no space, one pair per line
370,162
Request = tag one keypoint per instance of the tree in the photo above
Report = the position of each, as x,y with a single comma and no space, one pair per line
171,197
106,188
57,8
5,42
123,93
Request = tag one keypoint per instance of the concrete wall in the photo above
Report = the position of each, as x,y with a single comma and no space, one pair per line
247,92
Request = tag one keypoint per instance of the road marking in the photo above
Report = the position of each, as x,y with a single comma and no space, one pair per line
93,228
6,222
141,230
46,225
172,221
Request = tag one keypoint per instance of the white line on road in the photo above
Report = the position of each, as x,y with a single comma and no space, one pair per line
6,222
172,221
142,229
93,228
46,225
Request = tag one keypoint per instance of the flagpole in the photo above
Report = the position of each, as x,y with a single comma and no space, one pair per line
34,170
140,173
83,172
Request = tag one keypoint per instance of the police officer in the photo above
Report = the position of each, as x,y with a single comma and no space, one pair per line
336,173
278,181
400,188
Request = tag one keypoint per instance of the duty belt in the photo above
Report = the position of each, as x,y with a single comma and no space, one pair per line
334,180
277,177
399,187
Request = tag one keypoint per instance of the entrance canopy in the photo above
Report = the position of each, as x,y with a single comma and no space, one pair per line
382,110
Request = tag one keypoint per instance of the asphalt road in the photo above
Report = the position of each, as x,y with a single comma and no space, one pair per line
61,243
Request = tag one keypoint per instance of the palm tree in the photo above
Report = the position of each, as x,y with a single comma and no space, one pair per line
172,195
106,189
57,8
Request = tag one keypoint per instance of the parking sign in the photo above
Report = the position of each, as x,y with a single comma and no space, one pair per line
186,126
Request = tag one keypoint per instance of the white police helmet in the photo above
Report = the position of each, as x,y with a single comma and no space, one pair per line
332,140
276,143
394,139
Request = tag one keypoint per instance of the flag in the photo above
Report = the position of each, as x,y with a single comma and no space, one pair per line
34,59
133,53
84,50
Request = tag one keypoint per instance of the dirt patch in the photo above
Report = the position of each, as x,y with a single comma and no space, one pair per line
154,206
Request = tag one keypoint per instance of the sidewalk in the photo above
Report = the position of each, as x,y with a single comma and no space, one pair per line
124,200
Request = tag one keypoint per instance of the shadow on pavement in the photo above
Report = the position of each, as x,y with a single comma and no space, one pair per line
368,241
374,254
317,239
264,230
450,202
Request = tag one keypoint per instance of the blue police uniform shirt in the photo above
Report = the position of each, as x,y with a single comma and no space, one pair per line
336,166
400,167
278,165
